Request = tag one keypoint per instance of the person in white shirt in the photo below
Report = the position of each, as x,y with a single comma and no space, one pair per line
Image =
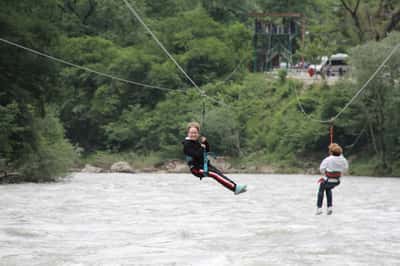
332,168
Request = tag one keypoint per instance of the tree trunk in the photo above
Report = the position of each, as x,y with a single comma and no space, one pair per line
393,22
372,134
354,16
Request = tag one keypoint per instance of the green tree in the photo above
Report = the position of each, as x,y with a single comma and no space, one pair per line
380,98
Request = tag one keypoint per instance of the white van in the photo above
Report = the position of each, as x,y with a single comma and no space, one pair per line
336,65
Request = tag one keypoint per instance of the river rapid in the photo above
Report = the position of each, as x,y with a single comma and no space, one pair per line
176,219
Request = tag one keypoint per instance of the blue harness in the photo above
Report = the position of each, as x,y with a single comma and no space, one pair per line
205,159
205,166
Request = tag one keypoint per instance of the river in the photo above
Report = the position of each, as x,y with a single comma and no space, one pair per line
175,219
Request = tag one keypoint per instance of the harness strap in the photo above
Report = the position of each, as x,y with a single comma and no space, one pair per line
336,175
189,160
205,166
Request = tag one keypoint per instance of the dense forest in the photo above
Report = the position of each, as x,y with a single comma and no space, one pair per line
55,115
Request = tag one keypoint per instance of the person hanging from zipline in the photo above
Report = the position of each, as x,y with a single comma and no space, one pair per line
196,148
332,168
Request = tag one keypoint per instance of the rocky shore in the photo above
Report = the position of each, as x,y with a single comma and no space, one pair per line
176,166
167,166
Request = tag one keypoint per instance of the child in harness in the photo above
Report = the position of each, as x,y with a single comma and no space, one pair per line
332,168
196,149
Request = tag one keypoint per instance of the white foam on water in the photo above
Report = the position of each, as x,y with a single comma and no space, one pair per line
175,219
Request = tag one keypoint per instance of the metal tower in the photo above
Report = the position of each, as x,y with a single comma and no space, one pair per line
275,39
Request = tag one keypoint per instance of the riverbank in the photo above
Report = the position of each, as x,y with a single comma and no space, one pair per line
102,162
133,163
177,166
359,166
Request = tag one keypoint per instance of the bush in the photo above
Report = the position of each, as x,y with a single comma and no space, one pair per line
50,156
282,74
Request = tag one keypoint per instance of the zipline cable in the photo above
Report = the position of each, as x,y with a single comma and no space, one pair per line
234,70
86,68
355,95
137,16
62,61
133,11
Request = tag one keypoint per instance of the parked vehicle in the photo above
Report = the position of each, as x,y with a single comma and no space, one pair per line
335,65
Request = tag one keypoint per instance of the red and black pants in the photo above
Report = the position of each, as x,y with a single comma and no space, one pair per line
216,174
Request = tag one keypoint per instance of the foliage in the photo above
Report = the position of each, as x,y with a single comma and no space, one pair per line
35,146
381,99
249,116
51,156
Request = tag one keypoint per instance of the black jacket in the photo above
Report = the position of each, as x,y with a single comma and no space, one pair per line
193,149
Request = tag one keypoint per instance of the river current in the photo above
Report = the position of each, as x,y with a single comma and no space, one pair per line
176,219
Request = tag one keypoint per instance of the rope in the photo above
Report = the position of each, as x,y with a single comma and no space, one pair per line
366,83
234,70
86,68
202,92
357,138
62,61
355,95
304,112
203,114
159,43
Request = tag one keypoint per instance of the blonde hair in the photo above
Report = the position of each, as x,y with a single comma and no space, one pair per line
335,149
193,124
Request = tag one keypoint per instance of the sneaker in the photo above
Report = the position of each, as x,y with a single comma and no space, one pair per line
240,189
329,211
319,211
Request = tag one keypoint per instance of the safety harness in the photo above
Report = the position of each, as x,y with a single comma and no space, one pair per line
205,158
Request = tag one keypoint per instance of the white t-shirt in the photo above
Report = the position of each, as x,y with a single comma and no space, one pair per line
334,164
